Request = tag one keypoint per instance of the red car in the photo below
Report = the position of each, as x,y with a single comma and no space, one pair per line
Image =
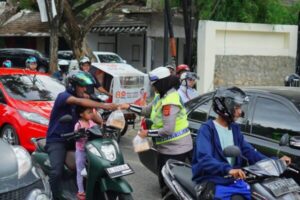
26,100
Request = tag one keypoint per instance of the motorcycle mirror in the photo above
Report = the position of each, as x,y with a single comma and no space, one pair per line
284,140
295,142
65,119
232,151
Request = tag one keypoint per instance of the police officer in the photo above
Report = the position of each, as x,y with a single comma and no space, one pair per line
170,126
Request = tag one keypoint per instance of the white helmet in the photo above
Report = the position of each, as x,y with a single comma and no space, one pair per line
63,65
159,73
83,60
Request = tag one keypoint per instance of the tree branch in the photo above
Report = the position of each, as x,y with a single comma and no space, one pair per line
70,19
84,5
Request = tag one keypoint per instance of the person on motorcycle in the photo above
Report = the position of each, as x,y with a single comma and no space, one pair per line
63,70
187,90
168,115
7,64
85,121
31,63
209,165
65,104
182,68
85,65
172,69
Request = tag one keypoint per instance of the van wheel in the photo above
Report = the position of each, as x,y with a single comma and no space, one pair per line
124,130
9,134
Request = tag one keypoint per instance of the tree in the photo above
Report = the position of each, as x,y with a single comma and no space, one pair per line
54,22
77,24
252,11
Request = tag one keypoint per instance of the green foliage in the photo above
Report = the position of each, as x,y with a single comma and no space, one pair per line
252,11
27,4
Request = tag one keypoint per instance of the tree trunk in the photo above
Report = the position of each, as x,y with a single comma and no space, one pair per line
53,49
80,47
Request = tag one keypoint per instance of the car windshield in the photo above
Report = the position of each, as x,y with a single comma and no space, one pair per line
32,87
109,58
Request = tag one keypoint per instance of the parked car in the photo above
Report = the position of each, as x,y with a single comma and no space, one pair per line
26,100
100,57
271,112
18,57
20,180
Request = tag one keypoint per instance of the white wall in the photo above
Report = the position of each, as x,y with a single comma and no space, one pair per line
228,38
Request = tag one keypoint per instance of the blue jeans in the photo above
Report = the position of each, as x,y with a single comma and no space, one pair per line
80,164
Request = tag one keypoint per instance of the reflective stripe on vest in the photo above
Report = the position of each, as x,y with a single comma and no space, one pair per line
156,116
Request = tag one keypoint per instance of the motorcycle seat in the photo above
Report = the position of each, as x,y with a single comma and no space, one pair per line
41,144
184,176
70,160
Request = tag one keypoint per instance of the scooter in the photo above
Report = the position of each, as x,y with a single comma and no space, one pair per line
264,177
105,165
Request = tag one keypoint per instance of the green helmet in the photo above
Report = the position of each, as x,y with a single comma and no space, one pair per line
78,78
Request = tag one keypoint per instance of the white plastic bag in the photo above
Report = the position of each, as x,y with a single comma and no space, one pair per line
116,119
140,144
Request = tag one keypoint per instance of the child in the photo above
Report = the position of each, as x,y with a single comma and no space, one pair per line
85,116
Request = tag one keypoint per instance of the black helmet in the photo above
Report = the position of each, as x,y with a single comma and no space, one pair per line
78,78
292,80
225,100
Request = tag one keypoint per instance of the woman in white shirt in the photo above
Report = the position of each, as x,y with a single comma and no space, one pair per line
187,90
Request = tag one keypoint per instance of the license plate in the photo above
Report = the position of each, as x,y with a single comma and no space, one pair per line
282,186
118,171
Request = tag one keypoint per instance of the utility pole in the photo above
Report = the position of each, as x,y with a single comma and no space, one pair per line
298,48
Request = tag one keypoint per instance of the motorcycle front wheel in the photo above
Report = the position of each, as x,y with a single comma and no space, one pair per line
118,196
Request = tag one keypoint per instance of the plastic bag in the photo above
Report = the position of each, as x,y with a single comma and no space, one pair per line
140,144
116,119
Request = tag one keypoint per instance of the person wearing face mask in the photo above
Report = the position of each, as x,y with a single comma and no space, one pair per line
63,70
187,90
209,165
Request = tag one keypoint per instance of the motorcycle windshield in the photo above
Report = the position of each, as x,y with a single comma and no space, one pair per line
267,167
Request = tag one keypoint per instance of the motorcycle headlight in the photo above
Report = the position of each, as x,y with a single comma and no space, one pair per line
23,160
91,148
37,195
109,152
34,117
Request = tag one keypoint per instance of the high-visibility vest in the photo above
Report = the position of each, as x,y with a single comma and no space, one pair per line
181,125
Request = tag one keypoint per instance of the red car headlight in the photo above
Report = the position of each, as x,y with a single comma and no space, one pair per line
34,117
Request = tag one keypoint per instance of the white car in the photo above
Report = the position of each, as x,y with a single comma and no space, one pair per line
100,57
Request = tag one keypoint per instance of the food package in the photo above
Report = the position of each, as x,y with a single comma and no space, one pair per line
140,144
116,119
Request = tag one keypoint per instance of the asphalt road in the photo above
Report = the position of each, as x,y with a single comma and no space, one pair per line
144,183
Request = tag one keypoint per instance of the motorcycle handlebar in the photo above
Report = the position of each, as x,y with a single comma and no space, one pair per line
65,135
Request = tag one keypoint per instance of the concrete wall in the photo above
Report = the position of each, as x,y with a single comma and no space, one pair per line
244,54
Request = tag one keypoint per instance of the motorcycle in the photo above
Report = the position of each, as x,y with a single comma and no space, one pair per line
20,180
105,165
265,178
